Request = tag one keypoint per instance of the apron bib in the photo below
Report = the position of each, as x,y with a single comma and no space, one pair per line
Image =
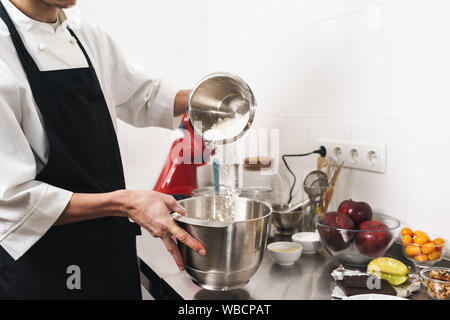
84,157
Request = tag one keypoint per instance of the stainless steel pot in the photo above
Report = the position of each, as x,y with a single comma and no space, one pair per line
235,249
217,97
286,222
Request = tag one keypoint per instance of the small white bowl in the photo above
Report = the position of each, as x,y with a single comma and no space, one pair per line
310,241
285,253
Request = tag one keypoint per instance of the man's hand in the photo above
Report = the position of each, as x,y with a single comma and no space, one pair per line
151,210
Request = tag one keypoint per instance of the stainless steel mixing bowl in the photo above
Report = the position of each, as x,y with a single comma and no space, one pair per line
235,249
220,96
286,223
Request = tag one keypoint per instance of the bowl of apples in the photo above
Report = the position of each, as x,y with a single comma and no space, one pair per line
423,249
354,234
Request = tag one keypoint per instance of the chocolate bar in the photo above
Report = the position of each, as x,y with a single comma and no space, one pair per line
358,285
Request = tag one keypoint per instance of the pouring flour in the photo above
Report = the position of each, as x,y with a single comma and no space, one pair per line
221,109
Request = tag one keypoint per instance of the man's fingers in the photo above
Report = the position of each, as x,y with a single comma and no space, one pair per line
187,239
173,205
173,250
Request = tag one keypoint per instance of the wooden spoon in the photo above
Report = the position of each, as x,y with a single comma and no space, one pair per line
330,190
324,163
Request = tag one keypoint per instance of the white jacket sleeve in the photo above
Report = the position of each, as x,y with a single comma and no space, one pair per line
140,100
28,208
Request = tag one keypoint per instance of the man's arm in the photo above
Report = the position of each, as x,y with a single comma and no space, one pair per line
139,99
149,209
28,208
180,103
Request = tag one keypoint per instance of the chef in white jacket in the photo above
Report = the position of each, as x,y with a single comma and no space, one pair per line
63,202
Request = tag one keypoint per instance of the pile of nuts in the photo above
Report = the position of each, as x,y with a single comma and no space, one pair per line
438,290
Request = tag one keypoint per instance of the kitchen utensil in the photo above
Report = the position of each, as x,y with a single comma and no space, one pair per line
336,174
216,173
286,222
217,98
298,206
314,185
323,163
310,241
285,253
343,243
235,249
179,174
330,190
333,168
322,151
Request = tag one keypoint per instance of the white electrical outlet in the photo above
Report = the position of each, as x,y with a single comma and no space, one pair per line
361,156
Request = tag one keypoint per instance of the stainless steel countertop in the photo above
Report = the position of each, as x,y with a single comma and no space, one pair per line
308,279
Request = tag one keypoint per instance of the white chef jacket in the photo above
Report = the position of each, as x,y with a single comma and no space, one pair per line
28,208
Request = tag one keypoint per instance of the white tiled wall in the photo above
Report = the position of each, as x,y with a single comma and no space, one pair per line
167,40
362,70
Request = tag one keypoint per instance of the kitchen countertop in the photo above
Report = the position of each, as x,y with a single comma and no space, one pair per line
308,279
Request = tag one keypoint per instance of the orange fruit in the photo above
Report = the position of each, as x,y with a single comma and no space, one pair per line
434,255
406,239
421,258
419,233
439,243
412,250
407,232
428,248
421,239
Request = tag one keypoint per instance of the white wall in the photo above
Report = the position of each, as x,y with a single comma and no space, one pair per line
167,40
355,70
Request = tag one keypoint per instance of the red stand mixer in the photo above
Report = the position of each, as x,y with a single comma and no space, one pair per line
189,151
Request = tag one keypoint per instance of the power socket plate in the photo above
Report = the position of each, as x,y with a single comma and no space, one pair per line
357,155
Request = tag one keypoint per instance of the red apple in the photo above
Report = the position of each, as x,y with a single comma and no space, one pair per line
357,211
336,240
375,242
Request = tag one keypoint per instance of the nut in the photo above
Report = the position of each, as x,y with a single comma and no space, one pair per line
441,275
437,289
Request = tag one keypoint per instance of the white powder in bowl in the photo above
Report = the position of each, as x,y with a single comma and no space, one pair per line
227,128
224,208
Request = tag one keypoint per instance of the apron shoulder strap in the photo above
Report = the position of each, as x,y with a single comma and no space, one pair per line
25,58
81,46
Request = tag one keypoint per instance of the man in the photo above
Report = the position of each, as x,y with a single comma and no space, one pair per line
63,203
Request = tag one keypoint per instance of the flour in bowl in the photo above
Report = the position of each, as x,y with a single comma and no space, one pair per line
227,128
225,207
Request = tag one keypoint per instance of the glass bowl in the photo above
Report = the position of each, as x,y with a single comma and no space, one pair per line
424,255
436,289
358,247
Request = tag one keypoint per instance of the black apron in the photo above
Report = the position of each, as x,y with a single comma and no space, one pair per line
84,158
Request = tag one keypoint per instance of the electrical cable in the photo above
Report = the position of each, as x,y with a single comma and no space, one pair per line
322,151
